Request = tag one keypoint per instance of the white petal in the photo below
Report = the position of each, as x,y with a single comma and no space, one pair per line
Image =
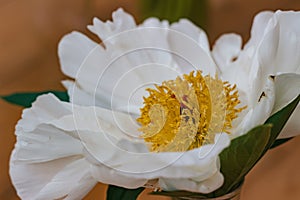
289,20
292,128
129,160
118,77
199,164
122,21
268,48
70,119
43,109
207,186
136,58
105,174
133,60
82,97
47,162
74,90
238,73
93,119
72,50
289,44
188,28
34,146
287,87
258,110
68,177
74,176
258,29
226,49
135,166
279,48
189,52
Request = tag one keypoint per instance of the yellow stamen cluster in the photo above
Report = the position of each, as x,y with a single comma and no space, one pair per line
185,113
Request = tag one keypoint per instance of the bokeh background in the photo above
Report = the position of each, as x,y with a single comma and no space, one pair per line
30,31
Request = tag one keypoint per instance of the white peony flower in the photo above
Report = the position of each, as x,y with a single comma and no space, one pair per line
63,149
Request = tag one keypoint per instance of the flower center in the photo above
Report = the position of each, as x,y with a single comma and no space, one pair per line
185,113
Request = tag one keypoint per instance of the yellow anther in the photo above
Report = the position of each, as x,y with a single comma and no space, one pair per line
185,113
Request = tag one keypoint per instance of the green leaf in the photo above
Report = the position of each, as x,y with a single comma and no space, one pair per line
242,154
119,193
279,142
279,119
26,99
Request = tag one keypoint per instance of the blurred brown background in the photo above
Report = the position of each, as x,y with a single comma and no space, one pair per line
30,31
